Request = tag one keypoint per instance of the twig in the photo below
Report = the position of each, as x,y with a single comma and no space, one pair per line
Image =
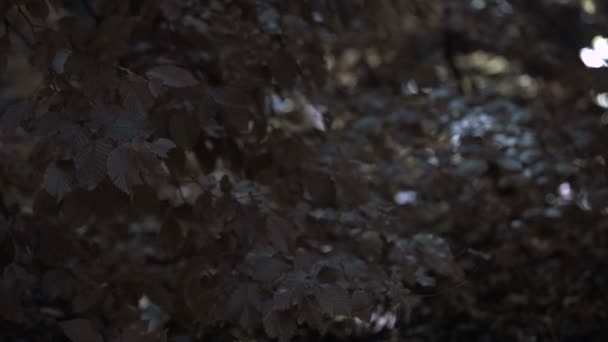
19,34
25,16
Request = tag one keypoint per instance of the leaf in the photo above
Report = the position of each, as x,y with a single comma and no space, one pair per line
102,115
122,168
116,123
91,163
243,300
264,267
362,305
126,127
334,299
57,181
184,129
128,164
81,330
160,147
135,95
298,282
79,140
280,324
282,299
437,255
148,163
311,313
172,76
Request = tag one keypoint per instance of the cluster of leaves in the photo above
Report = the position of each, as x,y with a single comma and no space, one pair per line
512,171
154,187
123,116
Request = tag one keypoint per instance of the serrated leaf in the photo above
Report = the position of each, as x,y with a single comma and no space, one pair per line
80,330
125,128
116,123
135,95
102,115
265,268
243,300
57,181
80,141
123,169
280,324
128,163
334,299
172,76
311,313
91,163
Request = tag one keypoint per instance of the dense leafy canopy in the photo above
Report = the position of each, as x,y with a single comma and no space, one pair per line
173,170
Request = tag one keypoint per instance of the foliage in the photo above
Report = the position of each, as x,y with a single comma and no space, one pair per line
168,169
